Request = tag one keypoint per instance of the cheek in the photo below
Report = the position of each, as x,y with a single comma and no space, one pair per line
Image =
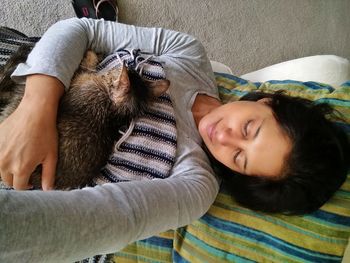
204,123
201,128
222,154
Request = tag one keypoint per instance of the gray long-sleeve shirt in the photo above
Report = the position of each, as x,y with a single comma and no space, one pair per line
64,226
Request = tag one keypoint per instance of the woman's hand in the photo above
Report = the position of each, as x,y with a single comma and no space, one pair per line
28,137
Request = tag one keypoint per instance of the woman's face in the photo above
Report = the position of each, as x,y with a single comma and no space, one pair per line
245,136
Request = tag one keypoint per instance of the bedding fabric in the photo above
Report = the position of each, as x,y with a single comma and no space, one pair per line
231,233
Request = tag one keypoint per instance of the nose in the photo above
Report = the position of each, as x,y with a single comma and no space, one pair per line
229,137
226,137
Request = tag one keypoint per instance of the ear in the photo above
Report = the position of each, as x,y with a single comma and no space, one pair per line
265,100
120,87
123,80
158,87
89,61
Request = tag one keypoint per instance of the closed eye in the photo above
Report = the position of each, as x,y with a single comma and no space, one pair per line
245,134
236,156
255,136
245,129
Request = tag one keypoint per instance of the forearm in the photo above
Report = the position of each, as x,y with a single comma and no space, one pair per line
68,226
28,136
42,93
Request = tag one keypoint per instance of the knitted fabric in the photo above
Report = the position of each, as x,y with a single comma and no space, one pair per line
147,149
10,41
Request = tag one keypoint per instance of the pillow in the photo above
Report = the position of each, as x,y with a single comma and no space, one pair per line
230,232
330,69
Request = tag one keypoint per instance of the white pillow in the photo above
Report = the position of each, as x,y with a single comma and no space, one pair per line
220,67
329,69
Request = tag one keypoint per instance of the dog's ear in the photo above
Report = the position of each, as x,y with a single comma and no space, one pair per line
158,87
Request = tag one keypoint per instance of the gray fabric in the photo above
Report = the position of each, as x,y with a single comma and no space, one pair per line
64,226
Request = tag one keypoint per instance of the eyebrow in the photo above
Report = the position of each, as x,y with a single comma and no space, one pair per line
255,135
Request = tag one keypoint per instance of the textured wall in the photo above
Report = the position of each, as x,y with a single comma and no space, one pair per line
244,34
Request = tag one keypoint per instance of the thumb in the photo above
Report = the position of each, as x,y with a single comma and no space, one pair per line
48,173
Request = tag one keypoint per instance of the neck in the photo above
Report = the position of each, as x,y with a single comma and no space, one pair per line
202,105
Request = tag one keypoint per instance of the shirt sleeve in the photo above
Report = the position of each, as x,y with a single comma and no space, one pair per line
65,226
62,47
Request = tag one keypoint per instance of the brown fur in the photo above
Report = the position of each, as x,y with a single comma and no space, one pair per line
89,116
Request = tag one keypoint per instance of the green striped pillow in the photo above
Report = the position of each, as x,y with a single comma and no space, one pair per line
231,233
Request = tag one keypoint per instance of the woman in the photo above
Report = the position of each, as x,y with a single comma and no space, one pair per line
72,225
313,170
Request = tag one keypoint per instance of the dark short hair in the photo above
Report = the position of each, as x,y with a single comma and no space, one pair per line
316,167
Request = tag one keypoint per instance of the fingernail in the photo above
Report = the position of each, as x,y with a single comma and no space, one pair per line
48,188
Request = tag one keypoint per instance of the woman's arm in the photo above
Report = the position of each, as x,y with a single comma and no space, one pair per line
29,137
62,47
65,226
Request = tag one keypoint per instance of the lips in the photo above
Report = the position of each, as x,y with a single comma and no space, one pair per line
211,131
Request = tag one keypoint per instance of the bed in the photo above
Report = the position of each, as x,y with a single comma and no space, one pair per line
231,233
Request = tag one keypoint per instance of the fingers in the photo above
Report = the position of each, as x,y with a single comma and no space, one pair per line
21,182
23,144
48,173
7,178
18,182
